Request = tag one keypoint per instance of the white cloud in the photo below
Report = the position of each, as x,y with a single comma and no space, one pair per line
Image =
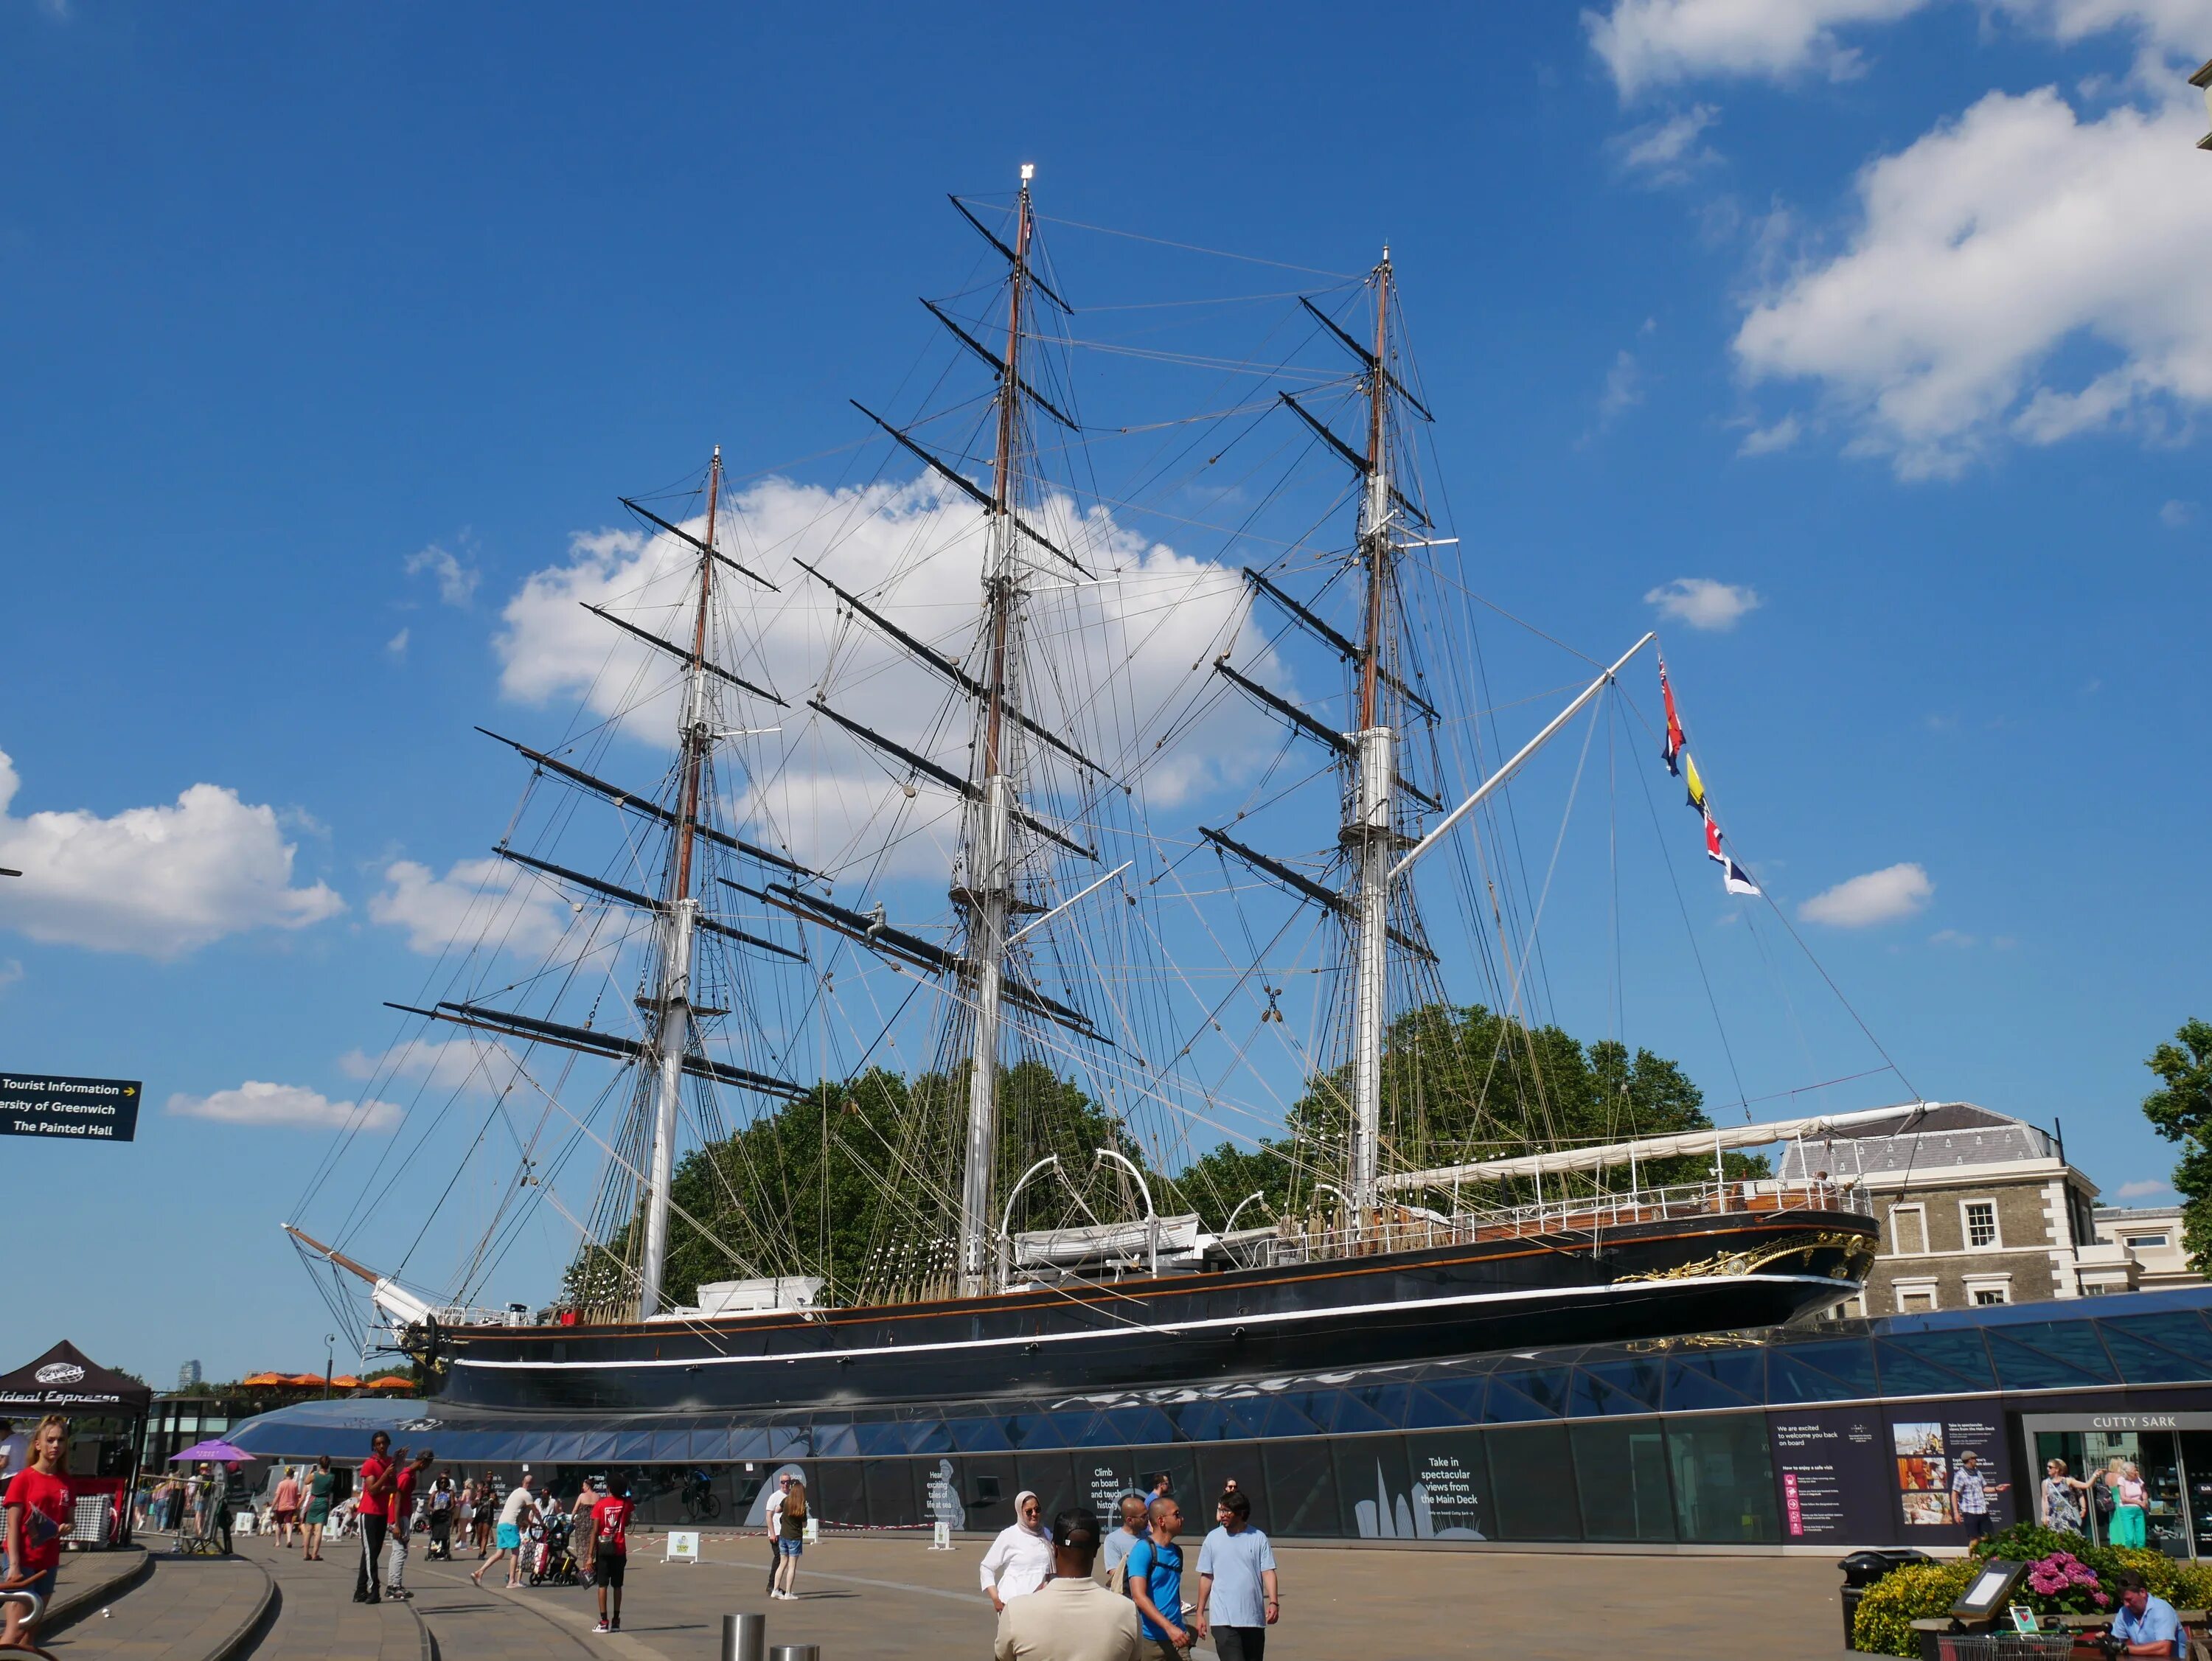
2176,514
457,583
1668,151
2143,1188
1951,938
1767,440
1982,249
481,1064
492,899
397,646
155,881
256,1103
1702,602
1624,388
1647,43
11,971
1108,657
1882,896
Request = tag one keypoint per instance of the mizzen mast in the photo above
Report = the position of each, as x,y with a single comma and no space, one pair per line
989,894
671,1003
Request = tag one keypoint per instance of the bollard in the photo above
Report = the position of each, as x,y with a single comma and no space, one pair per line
795,1652
744,1638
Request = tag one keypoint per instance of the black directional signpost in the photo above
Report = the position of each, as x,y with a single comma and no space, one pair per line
48,1105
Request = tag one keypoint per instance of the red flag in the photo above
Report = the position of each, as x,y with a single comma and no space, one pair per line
1672,747
1713,840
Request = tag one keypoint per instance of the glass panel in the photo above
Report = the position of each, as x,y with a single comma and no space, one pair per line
1837,1372
1459,1401
2049,1355
1350,1411
1283,1415
2143,1362
978,1435
1717,1380
1621,1472
1373,1488
2185,1334
1451,1486
1616,1387
1303,1487
1532,1480
1938,1363
837,1491
1538,1392
1723,1480
1139,1425
1207,1422
2197,1463
889,1485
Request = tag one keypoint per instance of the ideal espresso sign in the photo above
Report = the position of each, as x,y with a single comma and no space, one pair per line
48,1105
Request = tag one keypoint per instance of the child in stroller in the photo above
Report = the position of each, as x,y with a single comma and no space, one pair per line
552,1554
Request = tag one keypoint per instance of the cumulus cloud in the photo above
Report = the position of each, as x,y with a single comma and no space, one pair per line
294,1105
1951,938
2143,1188
1104,659
1702,602
1982,249
1624,388
1646,43
397,646
158,881
457,583
1767,440
492,899
1882,896
2176,514
482,1064
1669,150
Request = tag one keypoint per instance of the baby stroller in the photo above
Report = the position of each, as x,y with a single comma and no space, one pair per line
552,1560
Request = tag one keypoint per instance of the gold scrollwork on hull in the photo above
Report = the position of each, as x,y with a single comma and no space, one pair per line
1856,1257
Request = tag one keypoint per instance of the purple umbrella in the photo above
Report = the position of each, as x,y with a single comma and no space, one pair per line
217,1450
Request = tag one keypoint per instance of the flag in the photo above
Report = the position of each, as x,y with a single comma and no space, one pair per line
1697,784
1734,877
1671,746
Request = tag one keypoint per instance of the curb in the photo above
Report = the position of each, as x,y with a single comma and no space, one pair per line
429,1643
67,1610
258,1621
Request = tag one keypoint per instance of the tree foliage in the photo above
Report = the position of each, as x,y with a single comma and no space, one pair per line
2182,1112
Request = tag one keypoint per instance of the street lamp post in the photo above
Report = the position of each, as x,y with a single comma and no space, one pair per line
329,1356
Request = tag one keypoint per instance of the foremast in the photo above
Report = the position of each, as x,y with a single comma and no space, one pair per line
988,896
671,1003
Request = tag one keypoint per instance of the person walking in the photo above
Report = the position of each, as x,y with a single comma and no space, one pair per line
285,1506
322,1489
579,1526
1156,1584
790,1541
2062,1497
1020,1560
2131,1497
487,1512
437,1508
771,1514
518,1513
371,1503
218,1506
36,1505
1114,1558
404,1481
1071,1617
1236,1593
1970,1494
606,1531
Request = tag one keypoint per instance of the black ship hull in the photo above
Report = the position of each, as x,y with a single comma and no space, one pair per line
1648,1280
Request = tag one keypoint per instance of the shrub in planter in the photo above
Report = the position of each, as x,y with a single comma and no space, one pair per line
2192,1586
1883,1624
2062,1583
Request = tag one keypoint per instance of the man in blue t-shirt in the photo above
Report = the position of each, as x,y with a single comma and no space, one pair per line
1156,1583
2147,1625
1236,1583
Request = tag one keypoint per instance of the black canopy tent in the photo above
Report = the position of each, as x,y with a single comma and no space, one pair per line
66,1380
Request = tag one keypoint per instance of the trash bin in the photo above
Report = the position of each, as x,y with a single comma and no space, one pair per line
1861,1569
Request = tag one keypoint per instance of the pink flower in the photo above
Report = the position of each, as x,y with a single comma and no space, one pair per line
2103,1600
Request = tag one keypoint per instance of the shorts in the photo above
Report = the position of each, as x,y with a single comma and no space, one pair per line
607,1567
789,1547
1976,1522
42,1585
509,1538
286,1515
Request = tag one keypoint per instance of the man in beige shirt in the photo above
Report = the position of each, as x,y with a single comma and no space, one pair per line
1071,1617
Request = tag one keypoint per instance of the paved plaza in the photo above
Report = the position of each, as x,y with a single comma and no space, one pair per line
893,1598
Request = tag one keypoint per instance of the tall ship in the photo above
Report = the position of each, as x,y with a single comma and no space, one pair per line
1003,856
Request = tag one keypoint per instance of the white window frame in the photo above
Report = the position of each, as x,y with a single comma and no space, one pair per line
1897,1235
1903,1289
2158,1242
1966,1227
1978,1284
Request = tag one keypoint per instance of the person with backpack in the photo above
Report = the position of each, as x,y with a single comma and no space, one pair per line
1156,1584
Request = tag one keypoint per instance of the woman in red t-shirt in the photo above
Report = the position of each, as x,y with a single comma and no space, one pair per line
36,1507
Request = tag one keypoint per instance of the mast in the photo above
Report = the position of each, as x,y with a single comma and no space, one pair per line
672,1004
990,874
1367,831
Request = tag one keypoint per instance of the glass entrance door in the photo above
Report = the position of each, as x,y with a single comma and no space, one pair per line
2155,1453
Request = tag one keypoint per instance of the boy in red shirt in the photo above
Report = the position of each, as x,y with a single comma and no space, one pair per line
36,1507
399,1517
611,1548
370,1506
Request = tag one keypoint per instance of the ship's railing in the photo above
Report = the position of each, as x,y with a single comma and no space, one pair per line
1411,1228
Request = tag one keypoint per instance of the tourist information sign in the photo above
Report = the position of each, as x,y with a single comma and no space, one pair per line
48,1105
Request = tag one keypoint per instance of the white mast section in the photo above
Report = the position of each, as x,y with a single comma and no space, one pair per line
673,1000
990,850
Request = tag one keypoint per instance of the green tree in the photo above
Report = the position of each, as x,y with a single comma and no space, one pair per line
2181,1113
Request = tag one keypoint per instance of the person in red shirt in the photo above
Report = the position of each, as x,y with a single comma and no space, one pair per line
37,1508
611,1548
399,1518
371,1506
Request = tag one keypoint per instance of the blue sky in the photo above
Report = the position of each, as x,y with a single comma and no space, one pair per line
1881,324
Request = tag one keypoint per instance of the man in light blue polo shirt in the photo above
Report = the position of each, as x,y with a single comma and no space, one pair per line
2147,1625
1237,1601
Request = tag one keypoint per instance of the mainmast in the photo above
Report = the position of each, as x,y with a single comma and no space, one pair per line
672,1001
1368,830
989,894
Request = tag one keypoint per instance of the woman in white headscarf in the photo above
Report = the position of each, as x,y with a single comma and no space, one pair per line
1020,1559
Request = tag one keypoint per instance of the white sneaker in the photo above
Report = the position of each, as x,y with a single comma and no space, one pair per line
602,1627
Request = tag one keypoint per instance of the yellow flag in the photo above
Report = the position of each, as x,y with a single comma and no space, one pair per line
1697,784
